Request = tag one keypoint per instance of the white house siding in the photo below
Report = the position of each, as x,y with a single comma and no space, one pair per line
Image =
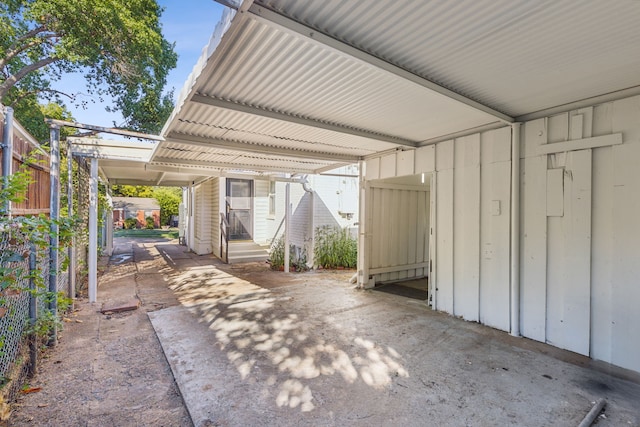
215,216
580,234
203,201
261,220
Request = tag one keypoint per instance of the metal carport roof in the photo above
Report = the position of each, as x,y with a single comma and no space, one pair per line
303,86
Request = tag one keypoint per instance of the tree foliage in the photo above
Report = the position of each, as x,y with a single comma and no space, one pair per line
117,44
169,199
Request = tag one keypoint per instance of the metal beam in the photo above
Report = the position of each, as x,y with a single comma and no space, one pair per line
237,166
172,183
199,141
182,170
270,17
104,130
304,121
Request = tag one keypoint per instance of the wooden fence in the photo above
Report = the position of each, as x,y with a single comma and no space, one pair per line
26,150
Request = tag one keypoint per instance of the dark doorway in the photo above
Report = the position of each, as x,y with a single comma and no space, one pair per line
239,208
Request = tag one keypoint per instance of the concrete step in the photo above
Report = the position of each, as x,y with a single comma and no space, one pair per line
247,252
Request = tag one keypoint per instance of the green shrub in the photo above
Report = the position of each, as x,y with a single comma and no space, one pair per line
130,223
150,223
335,247
297,256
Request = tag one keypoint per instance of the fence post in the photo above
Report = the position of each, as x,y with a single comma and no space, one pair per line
7,153
33,312
54,174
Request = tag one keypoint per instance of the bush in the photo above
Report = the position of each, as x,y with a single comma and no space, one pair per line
335,247
297,256
150,223
130,223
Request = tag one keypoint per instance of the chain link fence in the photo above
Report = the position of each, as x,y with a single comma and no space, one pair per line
24,299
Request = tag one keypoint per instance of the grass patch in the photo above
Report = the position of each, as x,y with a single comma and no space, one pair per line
171,233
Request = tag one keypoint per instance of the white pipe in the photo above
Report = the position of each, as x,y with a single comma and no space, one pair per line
287,225
93,231
515,230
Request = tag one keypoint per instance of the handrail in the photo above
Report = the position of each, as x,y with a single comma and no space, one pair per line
224,237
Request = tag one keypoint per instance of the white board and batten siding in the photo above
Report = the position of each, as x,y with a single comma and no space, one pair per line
205,198
261,219
580,233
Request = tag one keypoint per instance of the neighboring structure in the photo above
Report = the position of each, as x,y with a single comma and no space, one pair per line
254,208
139,208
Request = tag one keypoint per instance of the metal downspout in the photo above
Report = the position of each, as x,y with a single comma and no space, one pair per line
515,231
7,153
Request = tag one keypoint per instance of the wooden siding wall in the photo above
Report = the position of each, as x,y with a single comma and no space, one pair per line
216,191
37,196
203,225
261,221
472,219
581,234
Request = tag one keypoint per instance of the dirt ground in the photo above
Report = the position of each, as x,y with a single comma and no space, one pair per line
241,345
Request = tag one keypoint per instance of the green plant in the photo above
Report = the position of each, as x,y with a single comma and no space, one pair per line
297,256
276,254
150,223
130,223
335,247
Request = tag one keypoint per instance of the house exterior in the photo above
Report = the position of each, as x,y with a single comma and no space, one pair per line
254,208
135,207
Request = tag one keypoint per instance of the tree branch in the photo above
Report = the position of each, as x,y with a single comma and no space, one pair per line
34,92
15,50
12,80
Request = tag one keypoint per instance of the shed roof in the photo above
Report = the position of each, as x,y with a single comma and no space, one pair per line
304,86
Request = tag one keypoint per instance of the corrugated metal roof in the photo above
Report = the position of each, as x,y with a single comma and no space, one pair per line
290,80
517,56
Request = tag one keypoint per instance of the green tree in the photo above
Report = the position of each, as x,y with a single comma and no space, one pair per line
169,199
117,44
132,191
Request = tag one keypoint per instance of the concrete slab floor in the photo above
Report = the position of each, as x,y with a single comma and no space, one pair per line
268,348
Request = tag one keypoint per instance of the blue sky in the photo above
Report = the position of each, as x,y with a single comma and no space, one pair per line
188,23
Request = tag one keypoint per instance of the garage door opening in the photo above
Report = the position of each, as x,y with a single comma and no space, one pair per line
399,226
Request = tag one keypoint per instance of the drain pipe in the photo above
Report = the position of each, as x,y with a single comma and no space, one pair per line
7,153
515,230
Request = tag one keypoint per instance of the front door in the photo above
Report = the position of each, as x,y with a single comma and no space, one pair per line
239,212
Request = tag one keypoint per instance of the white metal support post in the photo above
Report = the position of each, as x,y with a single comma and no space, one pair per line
363,211
93,231
108,223
54,215
515,230
72,248
287,225
7,153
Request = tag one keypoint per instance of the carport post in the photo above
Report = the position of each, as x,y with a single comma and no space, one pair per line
363,261
7,154
54,216
515,230
72,248
287,219
108,222
93,231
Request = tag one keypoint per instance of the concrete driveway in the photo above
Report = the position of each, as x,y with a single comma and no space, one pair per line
248,347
